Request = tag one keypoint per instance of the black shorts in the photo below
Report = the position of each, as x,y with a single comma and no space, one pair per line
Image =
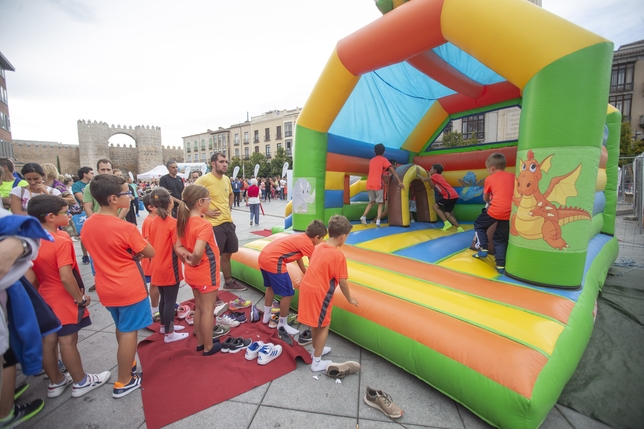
447,205
226,237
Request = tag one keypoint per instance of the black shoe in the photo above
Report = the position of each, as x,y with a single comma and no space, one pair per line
284,336
24,412
214,340
215,348
85,260
20,390
92,288
305,338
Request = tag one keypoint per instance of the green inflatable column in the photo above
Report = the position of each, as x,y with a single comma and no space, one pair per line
561,130
614,123
309,175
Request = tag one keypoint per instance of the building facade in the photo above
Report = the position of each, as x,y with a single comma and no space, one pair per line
627,85
264,134
6,149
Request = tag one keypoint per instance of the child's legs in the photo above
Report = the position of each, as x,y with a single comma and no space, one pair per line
500,239
125,354
154,296
440,212
285,304
161,304
83,249
481,225
379,211
168,299
450,217
366,211
71,357
8,389
50,358
198,317
319,336
268,298
207,321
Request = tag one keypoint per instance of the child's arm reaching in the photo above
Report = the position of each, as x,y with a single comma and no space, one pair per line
392,170
344,287
300,263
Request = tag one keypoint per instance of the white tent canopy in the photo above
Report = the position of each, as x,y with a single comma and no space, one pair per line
184,170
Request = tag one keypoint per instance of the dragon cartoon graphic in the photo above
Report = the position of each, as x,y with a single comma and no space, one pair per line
471,188
537,217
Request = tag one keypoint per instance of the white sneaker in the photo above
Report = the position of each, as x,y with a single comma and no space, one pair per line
92,382
171,338
227,320
55,390
270,355
176,328
363,219
221,309
253,350
378,223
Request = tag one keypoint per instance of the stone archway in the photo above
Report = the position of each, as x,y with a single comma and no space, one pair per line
93,144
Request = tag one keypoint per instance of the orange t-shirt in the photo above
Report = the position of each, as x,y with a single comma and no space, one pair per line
443,187
328,265
377,166
113,244
274,257
165,266
207,272
51,257
501,186
145,231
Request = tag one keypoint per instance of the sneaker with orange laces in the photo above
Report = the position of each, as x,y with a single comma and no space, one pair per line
274,321
120,389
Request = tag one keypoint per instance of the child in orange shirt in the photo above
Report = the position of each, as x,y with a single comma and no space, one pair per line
272,263
375,184
327,270
166,268
145,262
116,247
54,269
198,248
498,191
445,205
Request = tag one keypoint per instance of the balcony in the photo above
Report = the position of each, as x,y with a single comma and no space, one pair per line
288,133
236,143
256,140
246,141
246,157
288,152
188,150
622,87
267,138
268,156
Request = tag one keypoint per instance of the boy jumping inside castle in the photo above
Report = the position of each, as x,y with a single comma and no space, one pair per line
375,182
445,205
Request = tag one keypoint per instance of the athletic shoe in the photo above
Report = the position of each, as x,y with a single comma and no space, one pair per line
85,260
274,321
305,338
275,307
220,331
120,390
22,413
253,350
482,254
227,320
55,390
221,309
446,225
460,229
238,316
239,344
378,223
133,370
255,314
171,338
190,318
501,270
233,286
239,304
214,340
176,328
363,219
383,402
92,381
291,319
61,368
156,317
92,288
341,370
284,336
216,347
183,311
225,345
20,390
266,356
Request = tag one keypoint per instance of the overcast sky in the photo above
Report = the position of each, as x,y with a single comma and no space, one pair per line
192,65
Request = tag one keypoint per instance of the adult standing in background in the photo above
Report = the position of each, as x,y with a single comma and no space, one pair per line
282,188
85,174
236,192
173,184
219,215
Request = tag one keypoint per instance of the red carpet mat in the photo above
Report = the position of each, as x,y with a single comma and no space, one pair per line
204,380
263,233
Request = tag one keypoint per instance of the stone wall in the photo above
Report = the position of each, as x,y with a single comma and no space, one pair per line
174,152
42,152
124,157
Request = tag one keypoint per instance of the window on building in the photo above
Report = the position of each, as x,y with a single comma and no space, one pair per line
621,77
210,143
289,144
268,151
189,158
256,136
246,152
196,145
279,133
256,149
3,94
219,139
236,139
237,152
210,156
203,144
288,129
449,127
623,104
224,139
246,137
474,126
203,156
267,134
4,122
279,146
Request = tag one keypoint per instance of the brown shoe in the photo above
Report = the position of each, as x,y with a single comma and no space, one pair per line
233,286
382,401
92,288
341,370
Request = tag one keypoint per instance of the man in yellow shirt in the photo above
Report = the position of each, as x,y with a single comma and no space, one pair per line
219,216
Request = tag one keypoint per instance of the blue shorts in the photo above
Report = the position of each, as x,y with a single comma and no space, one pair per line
132,317
281,283
148,279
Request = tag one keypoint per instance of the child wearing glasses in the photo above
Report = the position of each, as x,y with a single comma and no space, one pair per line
116,248
54,275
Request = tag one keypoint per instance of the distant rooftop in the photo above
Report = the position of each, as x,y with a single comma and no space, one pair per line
5,64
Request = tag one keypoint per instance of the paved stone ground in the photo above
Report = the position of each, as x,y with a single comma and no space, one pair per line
296,400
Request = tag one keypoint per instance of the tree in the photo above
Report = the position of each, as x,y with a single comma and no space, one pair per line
455,139
277,163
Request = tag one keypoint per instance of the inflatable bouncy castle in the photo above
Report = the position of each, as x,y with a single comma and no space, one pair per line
502,345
